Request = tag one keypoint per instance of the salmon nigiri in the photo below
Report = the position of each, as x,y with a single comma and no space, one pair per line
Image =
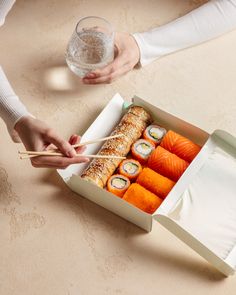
167,164
180,146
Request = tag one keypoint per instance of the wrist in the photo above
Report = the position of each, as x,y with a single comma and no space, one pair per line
23,121
136,50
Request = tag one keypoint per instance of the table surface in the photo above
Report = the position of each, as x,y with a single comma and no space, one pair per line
56,242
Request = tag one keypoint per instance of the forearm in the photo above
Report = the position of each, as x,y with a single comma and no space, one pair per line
11,108
202,24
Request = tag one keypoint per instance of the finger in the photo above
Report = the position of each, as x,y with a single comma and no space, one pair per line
71,139
57,162
39,165
74,139
111,77
64,146
80,149
50,147
118,62
107,69
49,166
46,166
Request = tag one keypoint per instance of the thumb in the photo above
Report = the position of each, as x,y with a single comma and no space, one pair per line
63,145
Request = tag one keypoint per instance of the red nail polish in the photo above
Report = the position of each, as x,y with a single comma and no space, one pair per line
91,75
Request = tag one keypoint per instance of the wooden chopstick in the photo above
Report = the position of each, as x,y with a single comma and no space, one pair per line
97,140
78,155
32,154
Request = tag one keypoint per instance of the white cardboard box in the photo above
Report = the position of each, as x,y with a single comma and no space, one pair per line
201,208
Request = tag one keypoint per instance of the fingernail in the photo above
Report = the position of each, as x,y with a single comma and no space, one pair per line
85,81
72,139
76,139
90,75
86,160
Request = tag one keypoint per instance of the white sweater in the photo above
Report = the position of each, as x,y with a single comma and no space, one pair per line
11,108
211,20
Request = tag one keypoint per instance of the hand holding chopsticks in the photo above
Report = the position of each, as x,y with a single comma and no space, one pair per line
31,154
36,135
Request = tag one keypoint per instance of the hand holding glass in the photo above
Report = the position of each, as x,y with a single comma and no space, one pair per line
91,46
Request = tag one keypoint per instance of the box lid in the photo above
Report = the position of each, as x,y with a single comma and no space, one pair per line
201,209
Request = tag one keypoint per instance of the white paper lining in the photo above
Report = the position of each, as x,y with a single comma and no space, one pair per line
205,209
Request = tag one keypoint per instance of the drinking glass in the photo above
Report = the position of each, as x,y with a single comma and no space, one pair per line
91,45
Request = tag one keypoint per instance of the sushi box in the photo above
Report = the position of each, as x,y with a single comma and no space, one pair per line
200,209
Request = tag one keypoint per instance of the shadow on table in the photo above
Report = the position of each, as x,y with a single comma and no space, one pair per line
127,232
58,79
53,76
180,263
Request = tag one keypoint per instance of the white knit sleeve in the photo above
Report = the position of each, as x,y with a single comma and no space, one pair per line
211,20
5,7
11,108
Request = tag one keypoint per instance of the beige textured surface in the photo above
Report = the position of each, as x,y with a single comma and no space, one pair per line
55,242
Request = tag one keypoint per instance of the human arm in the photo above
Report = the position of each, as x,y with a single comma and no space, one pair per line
34,134
209,21
38,136
11,108
22,126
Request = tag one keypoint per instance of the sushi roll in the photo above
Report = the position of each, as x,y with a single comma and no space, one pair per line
119,146
110,152
142,149
142,198
100,170
131,127
180,146
154,133
93,177
155,182
118,184
141,113
133,123
129,130
130,168
167,164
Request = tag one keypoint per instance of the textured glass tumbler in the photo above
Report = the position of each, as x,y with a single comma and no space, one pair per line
91,46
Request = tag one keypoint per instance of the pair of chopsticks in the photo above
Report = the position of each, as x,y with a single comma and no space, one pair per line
31,154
